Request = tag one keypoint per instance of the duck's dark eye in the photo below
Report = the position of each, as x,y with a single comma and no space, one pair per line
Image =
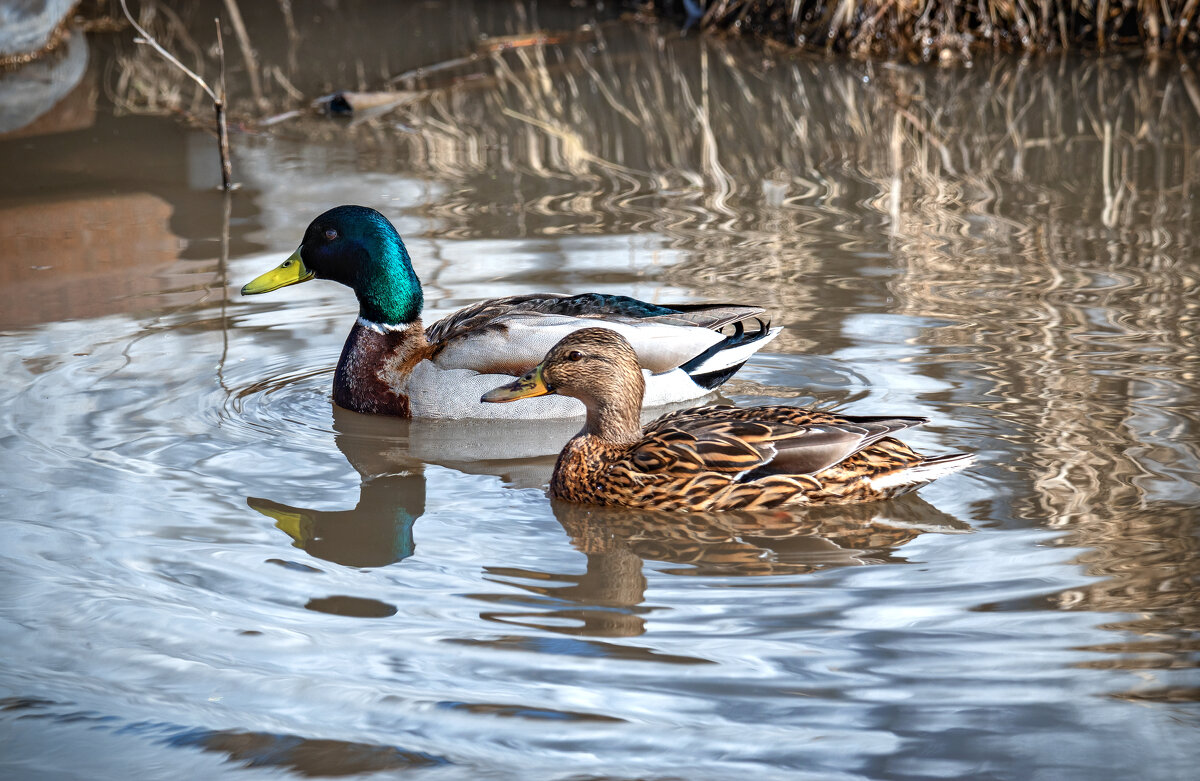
574,355
330,234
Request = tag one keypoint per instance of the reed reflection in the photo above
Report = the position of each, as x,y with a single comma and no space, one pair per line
304,756
1087,338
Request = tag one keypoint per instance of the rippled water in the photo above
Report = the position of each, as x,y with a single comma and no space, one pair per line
208,571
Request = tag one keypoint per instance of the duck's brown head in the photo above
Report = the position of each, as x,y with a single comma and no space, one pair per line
596,366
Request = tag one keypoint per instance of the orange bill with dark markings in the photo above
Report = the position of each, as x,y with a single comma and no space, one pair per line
526,387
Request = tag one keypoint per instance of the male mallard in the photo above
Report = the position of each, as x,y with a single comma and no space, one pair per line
712,458
391,364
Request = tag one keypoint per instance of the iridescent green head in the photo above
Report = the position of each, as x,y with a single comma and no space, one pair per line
359,247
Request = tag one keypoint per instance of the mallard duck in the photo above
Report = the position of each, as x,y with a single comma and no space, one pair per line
717,457
391,364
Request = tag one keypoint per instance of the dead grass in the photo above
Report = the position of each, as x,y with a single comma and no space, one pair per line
950,29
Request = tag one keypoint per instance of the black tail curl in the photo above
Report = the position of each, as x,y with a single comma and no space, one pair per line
739,337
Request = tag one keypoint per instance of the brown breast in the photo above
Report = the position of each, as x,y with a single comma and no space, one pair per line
374,364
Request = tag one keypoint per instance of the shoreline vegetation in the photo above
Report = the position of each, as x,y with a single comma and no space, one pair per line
947,30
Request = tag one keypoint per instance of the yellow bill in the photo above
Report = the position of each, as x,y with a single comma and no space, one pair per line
292,271
526,387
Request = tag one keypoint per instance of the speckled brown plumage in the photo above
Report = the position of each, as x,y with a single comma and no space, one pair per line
725,458
717,457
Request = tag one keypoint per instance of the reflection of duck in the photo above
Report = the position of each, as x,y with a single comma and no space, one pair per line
756,543
511,450
606,600
390,455
379,530
392,365
712,458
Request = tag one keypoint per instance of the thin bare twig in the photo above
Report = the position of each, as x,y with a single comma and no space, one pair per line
218,101
147,39
219,105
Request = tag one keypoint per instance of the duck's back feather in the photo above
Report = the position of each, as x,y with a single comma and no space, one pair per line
589,305
723,457
514,342
510,335
757,441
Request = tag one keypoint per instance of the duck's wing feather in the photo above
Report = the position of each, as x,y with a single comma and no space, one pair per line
817,447
490,313
708,315
514,342
759,441
702,459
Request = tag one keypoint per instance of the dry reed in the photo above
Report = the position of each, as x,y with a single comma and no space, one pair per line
949,29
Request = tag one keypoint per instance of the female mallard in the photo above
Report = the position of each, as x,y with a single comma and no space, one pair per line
712,458
391,364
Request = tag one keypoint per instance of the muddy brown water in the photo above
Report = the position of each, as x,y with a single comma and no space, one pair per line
208,571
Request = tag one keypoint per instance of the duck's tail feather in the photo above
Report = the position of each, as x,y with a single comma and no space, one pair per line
718,363
927,471
714,316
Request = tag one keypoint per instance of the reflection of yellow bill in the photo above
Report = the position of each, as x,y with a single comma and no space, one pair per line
287,519
526,387
291,272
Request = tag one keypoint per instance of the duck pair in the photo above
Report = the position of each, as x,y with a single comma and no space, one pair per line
605,357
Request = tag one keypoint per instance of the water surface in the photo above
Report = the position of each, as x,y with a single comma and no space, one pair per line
209,571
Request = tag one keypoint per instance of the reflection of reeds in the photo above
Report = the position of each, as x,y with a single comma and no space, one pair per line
757,170
674,123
